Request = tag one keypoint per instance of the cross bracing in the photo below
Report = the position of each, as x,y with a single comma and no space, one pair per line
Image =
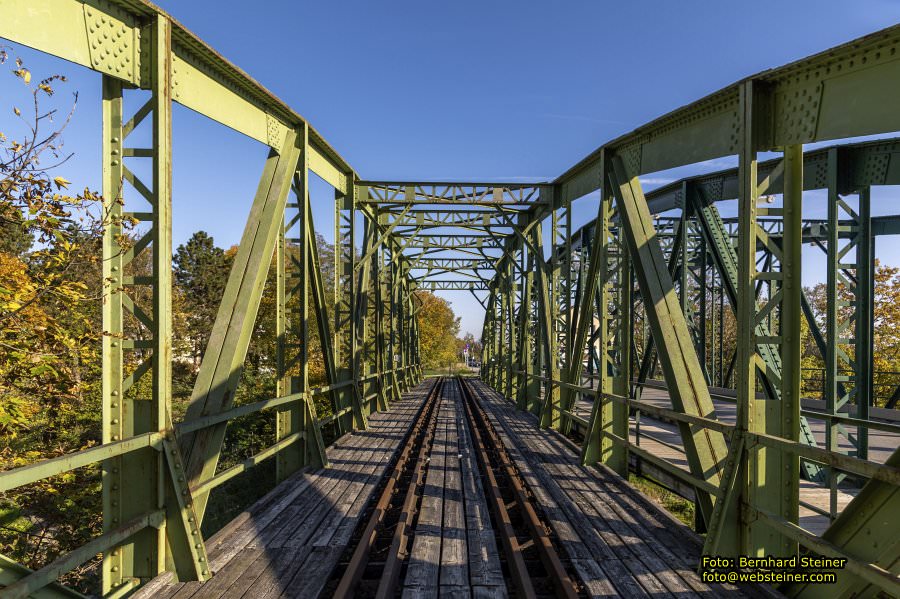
641,293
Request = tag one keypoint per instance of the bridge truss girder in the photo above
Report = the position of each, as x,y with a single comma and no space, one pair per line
544,315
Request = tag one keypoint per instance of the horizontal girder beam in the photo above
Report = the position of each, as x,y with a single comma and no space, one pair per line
469,194
455,263
862,165
452,285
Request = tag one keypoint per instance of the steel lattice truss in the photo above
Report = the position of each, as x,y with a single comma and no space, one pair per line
643,291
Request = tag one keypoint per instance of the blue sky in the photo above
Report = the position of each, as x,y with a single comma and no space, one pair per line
489,90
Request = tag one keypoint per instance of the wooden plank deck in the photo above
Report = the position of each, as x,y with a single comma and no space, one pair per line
288,542
454,552
620,543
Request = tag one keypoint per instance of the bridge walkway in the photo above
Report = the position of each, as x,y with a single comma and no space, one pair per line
663,440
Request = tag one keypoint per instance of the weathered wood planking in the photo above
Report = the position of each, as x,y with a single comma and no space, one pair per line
288,542
619,542
423,569
454,552
485,573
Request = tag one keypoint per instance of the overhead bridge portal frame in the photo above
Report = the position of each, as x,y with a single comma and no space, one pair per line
556,312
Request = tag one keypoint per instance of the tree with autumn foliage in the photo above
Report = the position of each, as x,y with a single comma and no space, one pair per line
886,328
48,260
51,331
50,328
438,328
51,297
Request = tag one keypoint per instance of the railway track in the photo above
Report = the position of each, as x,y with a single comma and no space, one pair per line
373,568
521,530
421,539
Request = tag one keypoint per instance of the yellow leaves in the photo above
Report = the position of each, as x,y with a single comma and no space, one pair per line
61,182
15,285
17,111
438,327
72,291
23,74
15,413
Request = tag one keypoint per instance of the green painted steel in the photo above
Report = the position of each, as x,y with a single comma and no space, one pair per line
566,326
705,449
725,259
229,339
610,265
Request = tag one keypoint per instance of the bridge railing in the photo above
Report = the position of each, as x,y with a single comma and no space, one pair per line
21,582
140,51
598,433
630,290
156,475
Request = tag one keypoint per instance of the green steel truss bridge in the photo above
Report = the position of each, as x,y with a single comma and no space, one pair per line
586,330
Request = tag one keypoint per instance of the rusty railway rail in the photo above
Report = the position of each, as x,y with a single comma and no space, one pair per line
373,559
375,566
516,522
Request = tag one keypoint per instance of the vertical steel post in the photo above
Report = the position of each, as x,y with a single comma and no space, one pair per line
783,419
123,416
286,419
617,339
834,398
294,285
527,389
158,414
546,330
509,323
771,479
134,484
609,276
379,321
289,272
745,368
865,319
344,290
394,290
363,358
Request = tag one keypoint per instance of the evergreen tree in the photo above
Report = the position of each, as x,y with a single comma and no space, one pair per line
201,271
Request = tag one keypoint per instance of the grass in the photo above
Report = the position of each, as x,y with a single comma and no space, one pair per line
673,503
449,370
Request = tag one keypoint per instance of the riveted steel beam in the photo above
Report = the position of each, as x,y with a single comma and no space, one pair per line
841,93
230,337
706,449
771,476
150,509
